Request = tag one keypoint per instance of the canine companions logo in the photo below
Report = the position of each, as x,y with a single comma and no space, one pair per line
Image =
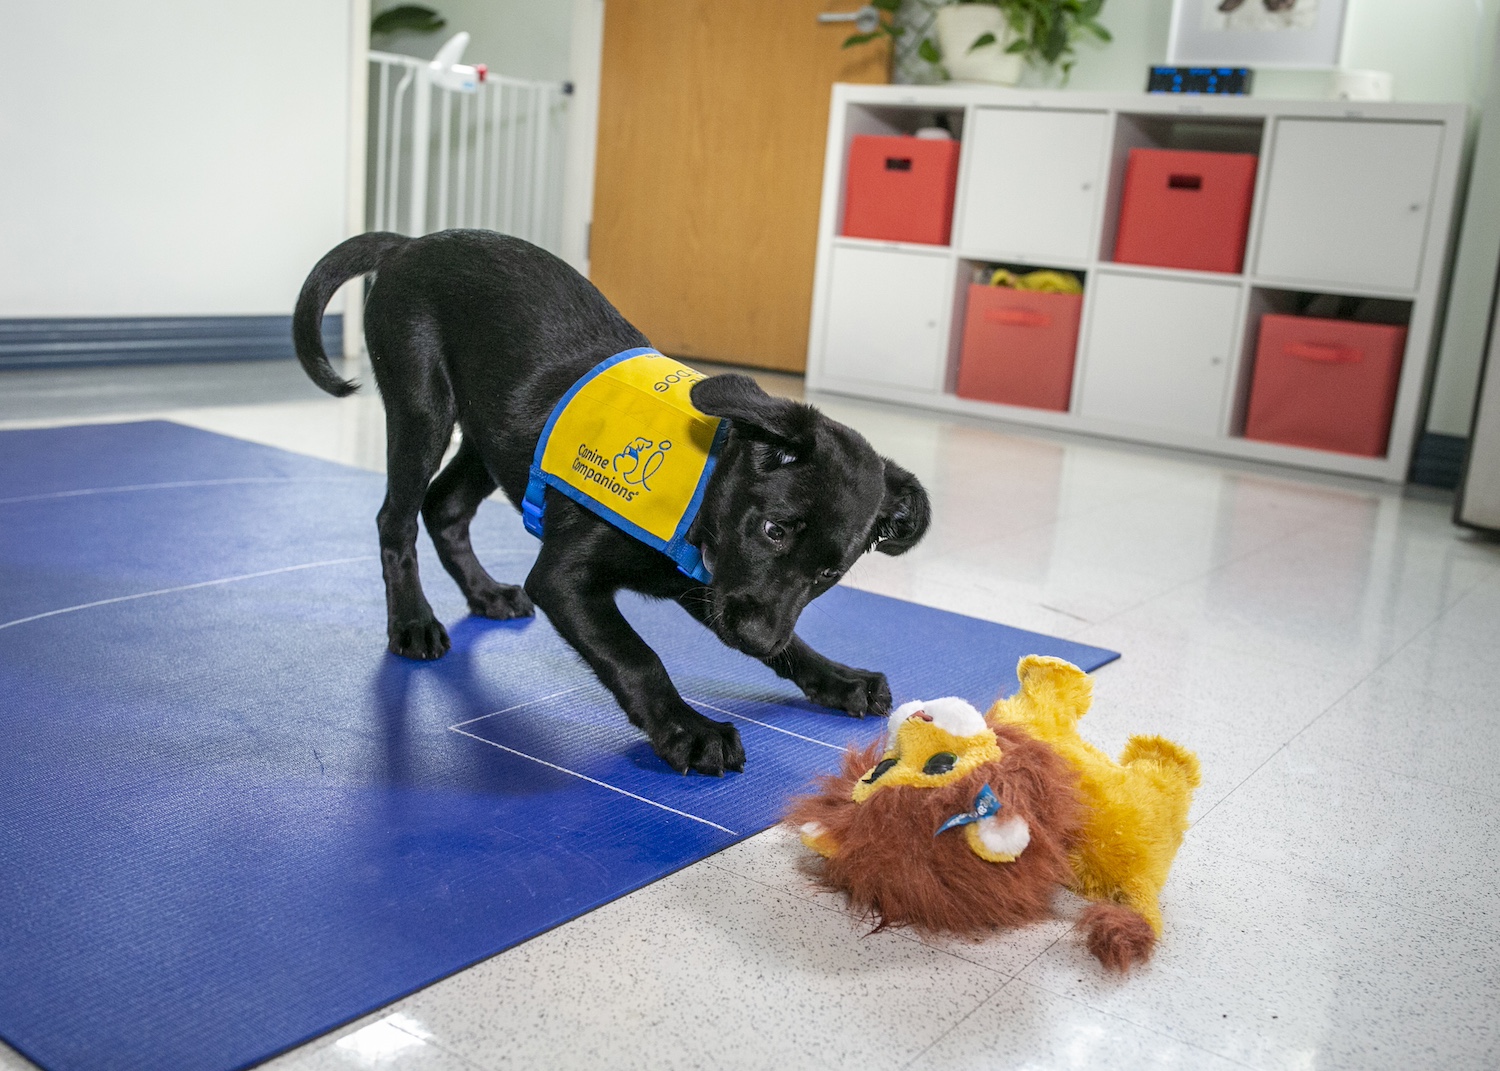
637,463
634,465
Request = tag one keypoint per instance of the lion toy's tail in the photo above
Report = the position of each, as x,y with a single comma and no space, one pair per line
1118,937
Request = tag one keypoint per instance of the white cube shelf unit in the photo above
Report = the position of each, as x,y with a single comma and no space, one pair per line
1352,201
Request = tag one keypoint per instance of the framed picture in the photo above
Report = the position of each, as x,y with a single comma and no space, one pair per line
1256,33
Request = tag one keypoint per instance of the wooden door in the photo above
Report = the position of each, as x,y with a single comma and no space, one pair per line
713,116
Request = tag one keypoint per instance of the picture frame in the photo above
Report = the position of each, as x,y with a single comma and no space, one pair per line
1296,34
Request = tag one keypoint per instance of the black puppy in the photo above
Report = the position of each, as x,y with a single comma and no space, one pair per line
488,332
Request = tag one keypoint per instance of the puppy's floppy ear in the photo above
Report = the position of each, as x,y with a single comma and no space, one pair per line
904,513
739,399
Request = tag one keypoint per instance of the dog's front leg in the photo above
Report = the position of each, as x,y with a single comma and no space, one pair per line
832,684
584,613
824,681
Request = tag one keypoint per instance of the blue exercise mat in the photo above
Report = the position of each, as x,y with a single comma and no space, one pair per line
230,821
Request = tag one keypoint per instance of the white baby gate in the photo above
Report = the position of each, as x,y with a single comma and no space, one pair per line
452,145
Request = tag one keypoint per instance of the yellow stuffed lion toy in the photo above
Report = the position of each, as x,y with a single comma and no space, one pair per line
1135,809
962,823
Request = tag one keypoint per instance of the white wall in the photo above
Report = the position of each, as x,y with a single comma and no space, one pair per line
518,38
169,157
585,61
1462,355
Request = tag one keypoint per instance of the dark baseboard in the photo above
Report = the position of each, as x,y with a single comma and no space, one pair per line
75,343
1438,460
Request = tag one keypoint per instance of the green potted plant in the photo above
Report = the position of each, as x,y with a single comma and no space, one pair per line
990,40
409,18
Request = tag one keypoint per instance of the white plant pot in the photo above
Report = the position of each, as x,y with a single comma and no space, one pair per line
1362,85
959,26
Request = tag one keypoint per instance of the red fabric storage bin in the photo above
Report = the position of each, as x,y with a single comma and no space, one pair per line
900,189
1186,209
1018,347
1328,384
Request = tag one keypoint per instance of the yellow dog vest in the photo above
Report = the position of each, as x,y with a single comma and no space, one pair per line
626,443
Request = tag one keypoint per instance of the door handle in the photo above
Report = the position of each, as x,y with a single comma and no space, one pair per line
866,19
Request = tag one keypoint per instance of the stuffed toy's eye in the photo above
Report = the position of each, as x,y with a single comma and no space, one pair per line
880,768
774,532
941,763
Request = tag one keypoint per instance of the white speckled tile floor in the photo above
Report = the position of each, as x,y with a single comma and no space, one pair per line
1327,646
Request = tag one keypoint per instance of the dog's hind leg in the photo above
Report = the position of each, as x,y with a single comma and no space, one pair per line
417,435
447,510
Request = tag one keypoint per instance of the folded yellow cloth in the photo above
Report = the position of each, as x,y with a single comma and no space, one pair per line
1050,282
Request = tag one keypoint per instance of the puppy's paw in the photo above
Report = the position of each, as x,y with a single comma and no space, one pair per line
501,602
692,742
854,691
424,639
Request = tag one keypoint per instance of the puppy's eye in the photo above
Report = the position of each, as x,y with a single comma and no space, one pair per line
769,458
830,574
880,769
941,763
774,532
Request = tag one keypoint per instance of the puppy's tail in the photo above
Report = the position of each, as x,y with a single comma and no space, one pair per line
358,256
